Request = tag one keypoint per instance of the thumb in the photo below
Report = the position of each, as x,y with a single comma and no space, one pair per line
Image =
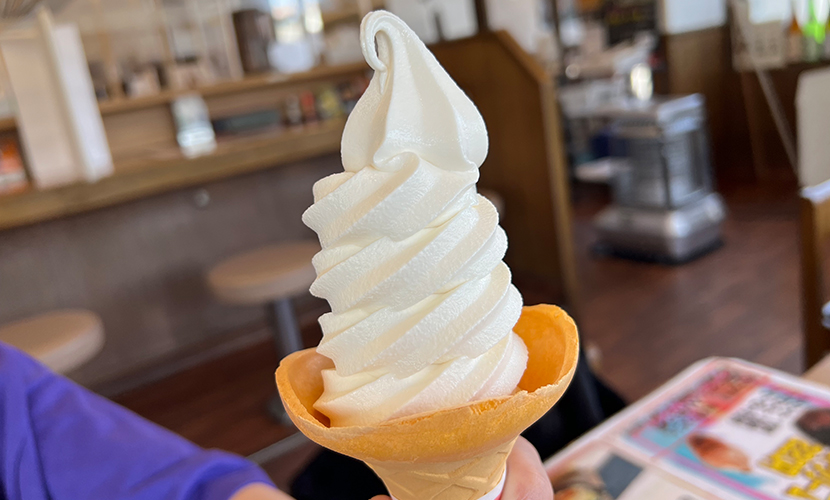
526,477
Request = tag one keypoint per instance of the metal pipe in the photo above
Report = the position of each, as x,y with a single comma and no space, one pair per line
284,328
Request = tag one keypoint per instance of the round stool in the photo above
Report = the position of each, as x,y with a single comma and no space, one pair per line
62,340
269,276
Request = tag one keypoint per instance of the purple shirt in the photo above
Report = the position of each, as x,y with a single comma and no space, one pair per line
59,441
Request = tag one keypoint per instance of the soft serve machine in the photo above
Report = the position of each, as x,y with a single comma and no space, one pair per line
658,165
664,207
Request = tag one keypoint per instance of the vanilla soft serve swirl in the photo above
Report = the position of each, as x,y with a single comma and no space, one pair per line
422,304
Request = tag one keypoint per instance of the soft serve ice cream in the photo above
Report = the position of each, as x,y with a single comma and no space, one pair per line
422,305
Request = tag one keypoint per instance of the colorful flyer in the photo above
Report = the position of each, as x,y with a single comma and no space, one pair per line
723,429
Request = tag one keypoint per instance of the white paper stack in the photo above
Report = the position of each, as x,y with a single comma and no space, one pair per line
57,114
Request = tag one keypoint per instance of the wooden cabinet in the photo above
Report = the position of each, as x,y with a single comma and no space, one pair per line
526,164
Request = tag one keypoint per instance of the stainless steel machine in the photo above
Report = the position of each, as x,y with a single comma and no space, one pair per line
664,207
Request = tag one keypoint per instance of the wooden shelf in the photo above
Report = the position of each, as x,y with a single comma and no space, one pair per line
148,177
160,167
252,82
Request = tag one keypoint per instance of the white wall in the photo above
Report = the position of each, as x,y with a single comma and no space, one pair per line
681,16
813,113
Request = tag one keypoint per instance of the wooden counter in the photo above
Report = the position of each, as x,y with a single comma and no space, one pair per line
142,138
147,177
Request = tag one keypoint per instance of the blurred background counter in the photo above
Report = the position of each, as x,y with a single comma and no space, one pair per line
214,119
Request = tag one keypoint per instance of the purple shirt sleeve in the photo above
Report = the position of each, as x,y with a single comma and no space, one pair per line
59,441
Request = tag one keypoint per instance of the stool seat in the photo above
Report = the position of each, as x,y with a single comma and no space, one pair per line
270,277
265,275
62,340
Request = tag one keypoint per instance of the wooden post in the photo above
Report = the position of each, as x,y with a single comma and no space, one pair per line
756,137
229,41
115,87
161,22
481,16
195,16
815,226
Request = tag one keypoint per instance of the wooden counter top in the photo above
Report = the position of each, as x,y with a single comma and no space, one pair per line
139,174
151,176
141,135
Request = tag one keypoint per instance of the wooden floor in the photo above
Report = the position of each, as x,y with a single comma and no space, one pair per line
649,321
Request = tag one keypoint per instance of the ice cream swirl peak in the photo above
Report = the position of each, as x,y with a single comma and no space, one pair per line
411,105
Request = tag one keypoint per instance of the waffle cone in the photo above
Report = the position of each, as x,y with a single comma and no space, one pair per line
450,454
469,478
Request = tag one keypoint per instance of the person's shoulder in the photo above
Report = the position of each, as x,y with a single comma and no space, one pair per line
15,365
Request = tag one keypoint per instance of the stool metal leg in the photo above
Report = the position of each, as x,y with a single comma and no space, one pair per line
287,339
284,328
